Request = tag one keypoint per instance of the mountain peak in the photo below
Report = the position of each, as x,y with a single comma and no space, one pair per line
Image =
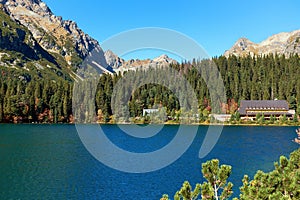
113,60
164,59
242,46
286,43
243,41
36,6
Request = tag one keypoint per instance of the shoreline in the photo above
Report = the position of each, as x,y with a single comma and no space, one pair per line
167,123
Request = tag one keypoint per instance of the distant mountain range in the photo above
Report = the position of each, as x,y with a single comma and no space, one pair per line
281,43
35,43
119,64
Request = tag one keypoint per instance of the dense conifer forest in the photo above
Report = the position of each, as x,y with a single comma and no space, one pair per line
49,100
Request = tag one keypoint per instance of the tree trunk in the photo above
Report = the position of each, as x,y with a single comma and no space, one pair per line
216,192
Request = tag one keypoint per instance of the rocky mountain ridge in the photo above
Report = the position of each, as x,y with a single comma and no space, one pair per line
62,37
285,43
42,35
120,64
63,40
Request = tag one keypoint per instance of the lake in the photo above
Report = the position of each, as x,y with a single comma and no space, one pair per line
50,161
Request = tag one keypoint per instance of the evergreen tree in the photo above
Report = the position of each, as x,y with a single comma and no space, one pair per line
216,186
186,192
217,179
250,78
281,183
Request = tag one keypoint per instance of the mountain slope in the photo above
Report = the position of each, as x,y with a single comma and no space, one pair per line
61,42
15,37
62,37
282,44
21,56
34,40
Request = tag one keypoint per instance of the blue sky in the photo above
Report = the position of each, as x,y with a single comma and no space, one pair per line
216,25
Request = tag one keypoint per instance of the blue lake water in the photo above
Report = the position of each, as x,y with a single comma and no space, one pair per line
50,161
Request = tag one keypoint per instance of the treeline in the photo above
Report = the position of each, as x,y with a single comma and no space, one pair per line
37,101
261,78
244,78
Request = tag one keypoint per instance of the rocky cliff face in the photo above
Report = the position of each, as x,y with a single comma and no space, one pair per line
113,60
55,35
282,44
